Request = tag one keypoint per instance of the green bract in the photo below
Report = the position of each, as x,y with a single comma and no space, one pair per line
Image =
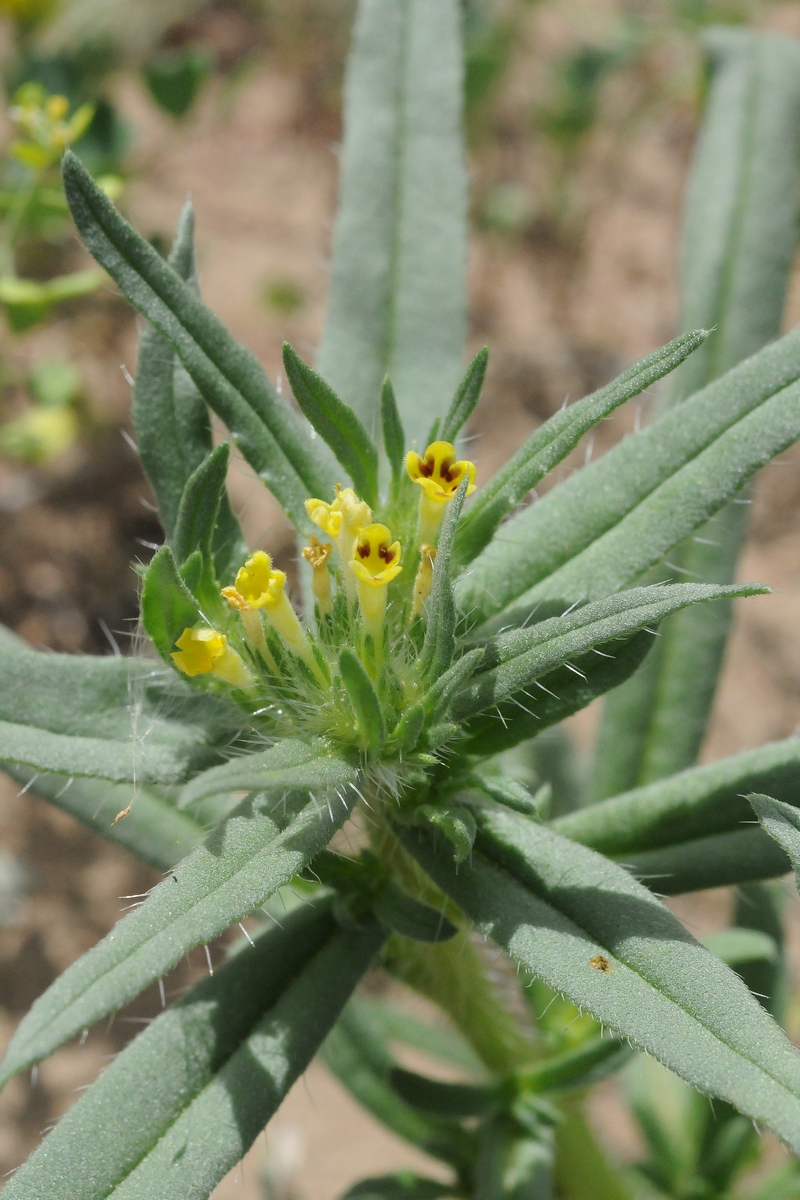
440,628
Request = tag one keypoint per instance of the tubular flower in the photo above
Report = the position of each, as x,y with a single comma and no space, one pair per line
342,520
424,580
262,587
375,563
317,555
439,476
251,619
206,652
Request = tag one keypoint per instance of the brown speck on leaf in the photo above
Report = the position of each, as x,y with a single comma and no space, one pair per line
601,963
122,814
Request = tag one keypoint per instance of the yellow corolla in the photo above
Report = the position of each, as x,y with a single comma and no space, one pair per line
317,555
342,520
375,563
439,475
205,652
259,585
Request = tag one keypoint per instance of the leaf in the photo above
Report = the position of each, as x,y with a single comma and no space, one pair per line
721,860
199,506
467,396
394,438
583,925
439,644
736,946
269,434
739,234
364,699
699,801
577,1067
97,758
186,1098
550,444
456,824
168,607
404,1185
606,524
336,423
403,914
563,692
247,857
441,1099
440,1041
397,296
289,765
524,655
782,822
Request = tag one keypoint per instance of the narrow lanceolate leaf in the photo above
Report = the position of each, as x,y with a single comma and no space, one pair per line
183,1102
552,442
697,802
336,423
200,505
270,435
394,438
397,300
559,694
247,857
606,524
782,822
468,393
153,829
740,229
168,607
171,419
94,758
735,945
720,860
405,1185
439,644
364,699
517,659
582,924
291,764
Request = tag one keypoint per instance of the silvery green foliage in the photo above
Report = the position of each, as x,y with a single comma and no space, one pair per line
446,629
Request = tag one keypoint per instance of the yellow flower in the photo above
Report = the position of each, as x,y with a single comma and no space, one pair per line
439,476
375,563
342,520
317,555
424,580
260,586
205,652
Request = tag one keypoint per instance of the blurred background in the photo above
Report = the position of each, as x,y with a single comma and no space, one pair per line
581,118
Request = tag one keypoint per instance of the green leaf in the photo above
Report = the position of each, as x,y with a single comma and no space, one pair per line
721,860
583,925
247,857
394,438
199,506
699,801
524,655
456,824
153,830
606,524
563,692
290,764
439,1041
578,1067
439,644
552,442
336,424
782,822
95,758
403,914
441,1099
740,230
183,1102
269,434
168,607
171,421
467,396
735,946
404,1185
364,699
397,297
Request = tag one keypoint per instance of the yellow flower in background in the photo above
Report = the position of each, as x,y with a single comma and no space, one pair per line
342,520
205,652
317,555
43,125
375,563
258,584
439,475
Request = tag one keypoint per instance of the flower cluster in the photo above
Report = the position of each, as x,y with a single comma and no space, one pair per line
350,577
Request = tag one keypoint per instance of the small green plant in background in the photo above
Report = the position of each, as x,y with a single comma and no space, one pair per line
359,747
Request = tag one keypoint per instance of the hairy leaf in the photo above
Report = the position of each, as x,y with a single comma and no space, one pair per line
584,926
394,438
468,393
736,946
200,505
289,765
268,432
181,1105
397,299
782,822
364,698
720,860
439,644
248,856
552,442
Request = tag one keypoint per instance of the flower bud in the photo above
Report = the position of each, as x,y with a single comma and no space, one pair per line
203,651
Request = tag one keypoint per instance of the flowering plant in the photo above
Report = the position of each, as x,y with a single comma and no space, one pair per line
341,746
